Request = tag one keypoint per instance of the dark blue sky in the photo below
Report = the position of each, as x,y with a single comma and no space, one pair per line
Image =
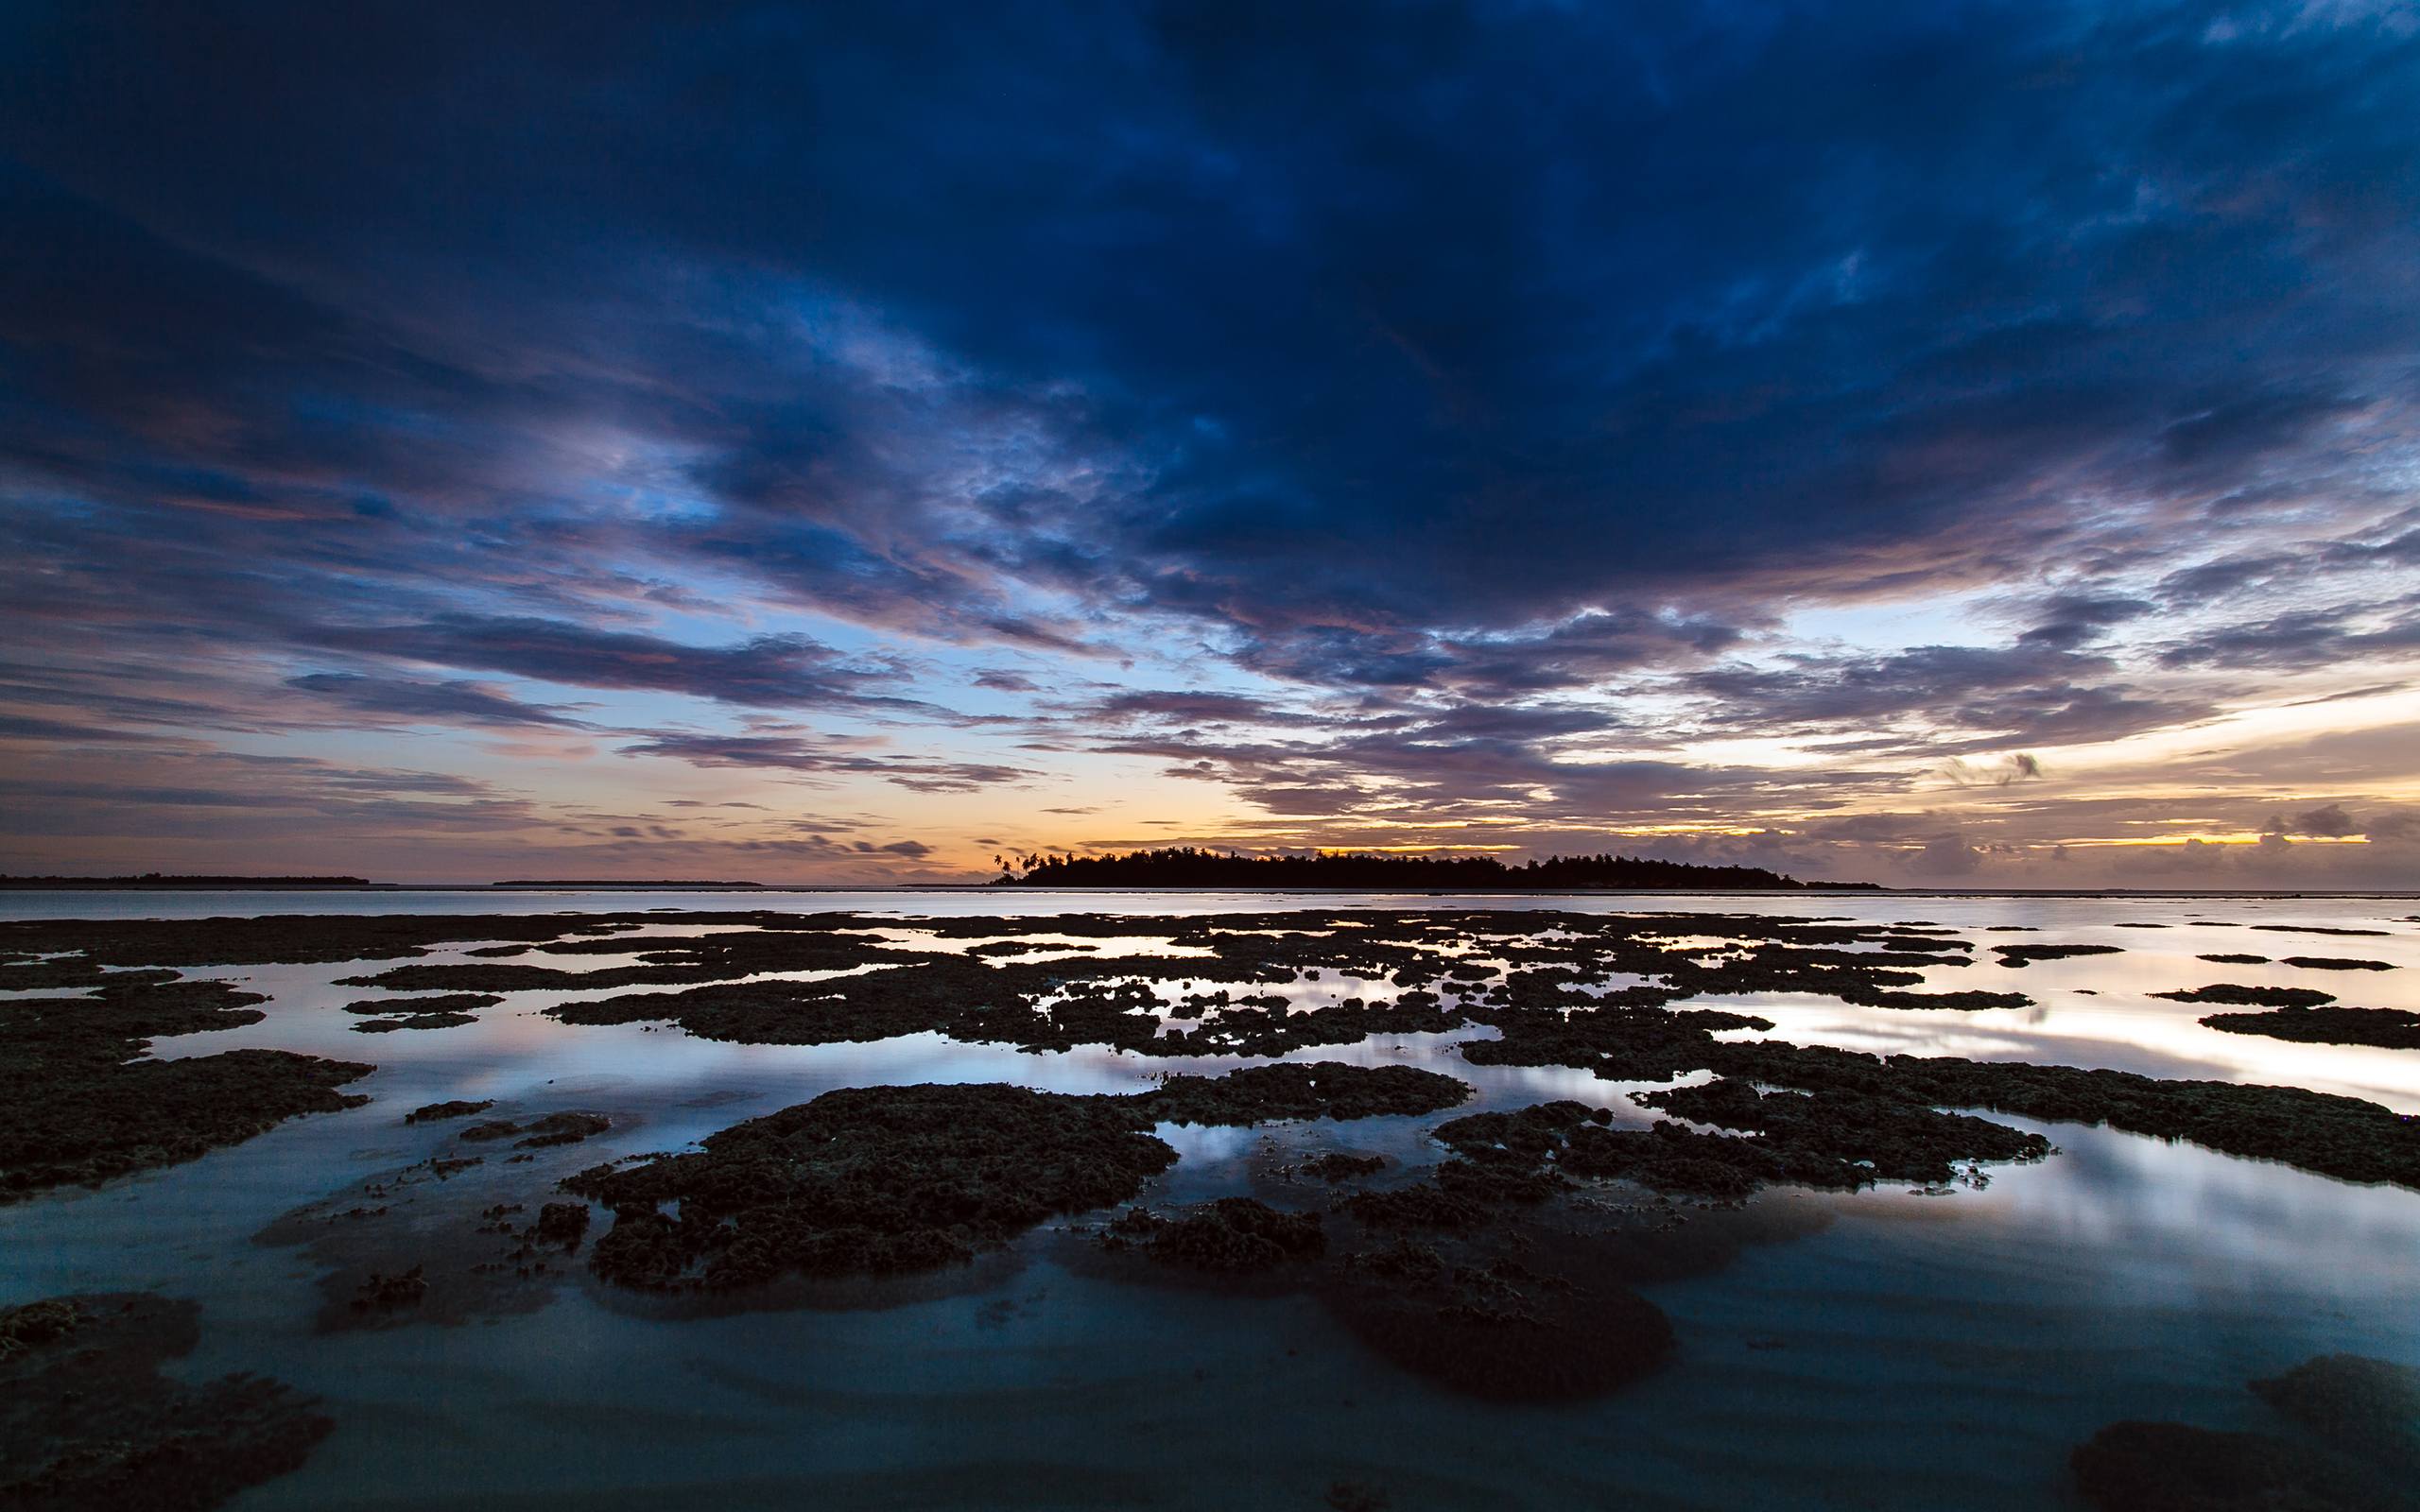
1948,441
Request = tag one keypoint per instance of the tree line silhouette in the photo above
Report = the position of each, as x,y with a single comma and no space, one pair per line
1185,867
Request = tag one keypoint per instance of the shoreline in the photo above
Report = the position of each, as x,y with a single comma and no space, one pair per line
1809,890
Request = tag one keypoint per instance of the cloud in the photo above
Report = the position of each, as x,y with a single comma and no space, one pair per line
769,671
250,799
2330,821
1410,442
458,702
2308,638
2067,621
2019,767
1183,707
2031,693
1946,855
1477,422
795,753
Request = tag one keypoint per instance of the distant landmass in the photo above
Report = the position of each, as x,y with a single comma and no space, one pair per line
1188,867
621,882
162,879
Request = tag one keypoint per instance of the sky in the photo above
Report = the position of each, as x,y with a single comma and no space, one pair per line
1958,444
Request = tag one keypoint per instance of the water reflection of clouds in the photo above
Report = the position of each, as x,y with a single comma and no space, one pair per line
2093,1011
2393,913
2119,1254
677,1087
2241,1223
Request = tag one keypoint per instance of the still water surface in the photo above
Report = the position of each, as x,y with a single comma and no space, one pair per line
1905,1351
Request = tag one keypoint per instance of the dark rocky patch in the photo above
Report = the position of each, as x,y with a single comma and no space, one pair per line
388,1294
1068,1000
1494,1325
2023,956
89,1423
1447,1204
1967,1001
2342,1137
480,979
560,1128
1065,1002
432,1003
416,1020
1265,1095
431,1112
1846,1138
1233,1235
2239,996
1619,1044
2386,1028
2370,1407
883,1179
2235,958
82,1109
2361,1453
2338,963
777,944
1337,1165
135,1005
69,972
562,1223
36,1323
2152,1467
1842,1140
552,1128
308,938
867,1180
2318,928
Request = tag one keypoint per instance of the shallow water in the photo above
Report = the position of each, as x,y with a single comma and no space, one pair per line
1906,1351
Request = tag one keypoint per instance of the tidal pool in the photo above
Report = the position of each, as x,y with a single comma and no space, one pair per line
1906,1344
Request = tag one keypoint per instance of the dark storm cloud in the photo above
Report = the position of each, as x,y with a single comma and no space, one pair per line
1458,315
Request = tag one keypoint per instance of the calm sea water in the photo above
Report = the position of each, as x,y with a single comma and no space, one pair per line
1907,1352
